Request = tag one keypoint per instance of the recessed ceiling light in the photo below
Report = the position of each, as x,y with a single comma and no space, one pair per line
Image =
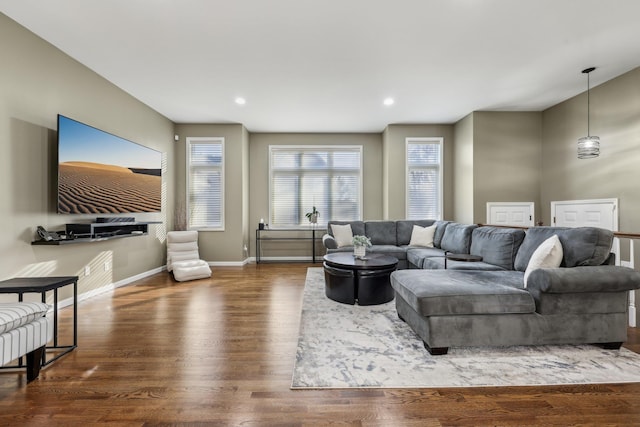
388,101
240,101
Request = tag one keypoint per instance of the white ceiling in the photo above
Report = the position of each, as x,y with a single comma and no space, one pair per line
327,66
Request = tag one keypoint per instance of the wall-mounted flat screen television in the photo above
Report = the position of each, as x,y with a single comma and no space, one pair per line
100,173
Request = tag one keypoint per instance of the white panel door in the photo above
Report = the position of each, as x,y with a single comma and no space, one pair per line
510,213
601,213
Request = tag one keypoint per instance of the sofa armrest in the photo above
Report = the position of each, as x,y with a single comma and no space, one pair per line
329,242
601,278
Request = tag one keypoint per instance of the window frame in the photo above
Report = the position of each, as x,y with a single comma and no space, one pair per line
188,145
314,147
421,141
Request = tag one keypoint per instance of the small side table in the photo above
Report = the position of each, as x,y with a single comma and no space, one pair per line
461,257
24,285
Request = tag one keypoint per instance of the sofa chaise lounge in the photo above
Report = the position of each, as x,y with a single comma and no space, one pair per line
584,300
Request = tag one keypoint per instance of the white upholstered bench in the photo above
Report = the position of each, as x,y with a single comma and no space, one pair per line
24,331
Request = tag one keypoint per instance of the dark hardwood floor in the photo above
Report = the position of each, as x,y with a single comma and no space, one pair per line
220,352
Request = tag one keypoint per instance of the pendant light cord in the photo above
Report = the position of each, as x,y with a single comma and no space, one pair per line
587,71
588,106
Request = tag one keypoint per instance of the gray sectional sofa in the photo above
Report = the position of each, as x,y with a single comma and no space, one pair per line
584,301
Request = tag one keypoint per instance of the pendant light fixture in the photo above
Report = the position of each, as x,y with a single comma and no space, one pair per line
588,146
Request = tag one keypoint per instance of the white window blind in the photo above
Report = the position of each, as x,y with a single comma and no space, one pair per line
327,177
424,178
205,184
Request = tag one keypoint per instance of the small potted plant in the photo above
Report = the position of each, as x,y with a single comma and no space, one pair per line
360,245
313,215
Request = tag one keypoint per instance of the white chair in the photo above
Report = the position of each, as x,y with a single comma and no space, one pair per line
183,258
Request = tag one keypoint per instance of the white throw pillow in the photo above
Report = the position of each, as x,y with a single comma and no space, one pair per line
547,255
342,234
422,236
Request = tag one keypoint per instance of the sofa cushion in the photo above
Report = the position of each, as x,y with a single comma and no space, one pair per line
581,246
498,246
16,314
404,229
438,263
399,252
441,226
454,292
191,270
381,232
416,256
343,234
422,236
457,238
547,255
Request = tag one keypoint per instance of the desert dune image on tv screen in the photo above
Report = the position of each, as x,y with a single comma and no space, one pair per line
101,173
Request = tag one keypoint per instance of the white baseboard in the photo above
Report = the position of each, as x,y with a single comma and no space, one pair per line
109,288
252,260
288,259
228,263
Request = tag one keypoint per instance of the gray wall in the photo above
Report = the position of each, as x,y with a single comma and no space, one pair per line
506,159
463,188
228,245
37,82
394,146
259,177
615,118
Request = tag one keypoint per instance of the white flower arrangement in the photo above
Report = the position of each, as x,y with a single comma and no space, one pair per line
359,240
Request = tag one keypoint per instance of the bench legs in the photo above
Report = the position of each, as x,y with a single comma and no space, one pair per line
34,361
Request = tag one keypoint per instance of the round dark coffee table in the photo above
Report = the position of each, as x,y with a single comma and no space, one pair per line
366,281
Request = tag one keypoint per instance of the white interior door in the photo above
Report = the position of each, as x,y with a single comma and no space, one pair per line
601,213
511,213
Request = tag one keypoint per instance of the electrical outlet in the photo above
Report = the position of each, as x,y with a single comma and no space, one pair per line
107,266
87,270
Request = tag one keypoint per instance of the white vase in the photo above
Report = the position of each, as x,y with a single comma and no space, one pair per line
359,251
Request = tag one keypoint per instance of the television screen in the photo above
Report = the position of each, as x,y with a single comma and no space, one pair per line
102,173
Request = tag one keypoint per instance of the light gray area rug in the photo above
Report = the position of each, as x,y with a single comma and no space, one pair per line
343,346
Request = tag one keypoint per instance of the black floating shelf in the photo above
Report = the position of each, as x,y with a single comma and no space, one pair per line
98,232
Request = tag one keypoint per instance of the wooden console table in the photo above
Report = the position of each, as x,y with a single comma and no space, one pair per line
41,285
316,235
